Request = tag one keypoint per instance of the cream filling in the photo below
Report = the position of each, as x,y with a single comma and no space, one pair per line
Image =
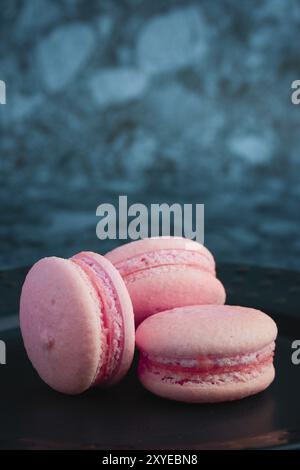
204,371
207,362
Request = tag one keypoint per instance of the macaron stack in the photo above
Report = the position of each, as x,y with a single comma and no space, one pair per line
77,319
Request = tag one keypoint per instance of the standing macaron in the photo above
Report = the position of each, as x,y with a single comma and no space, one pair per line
77,322
167,272
208,353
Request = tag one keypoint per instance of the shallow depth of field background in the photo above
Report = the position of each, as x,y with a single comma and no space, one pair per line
165,101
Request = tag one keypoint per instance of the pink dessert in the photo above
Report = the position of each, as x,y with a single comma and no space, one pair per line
166,272
77,322
207,353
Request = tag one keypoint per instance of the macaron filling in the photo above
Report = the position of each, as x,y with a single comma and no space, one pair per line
208,369
110,315
165,258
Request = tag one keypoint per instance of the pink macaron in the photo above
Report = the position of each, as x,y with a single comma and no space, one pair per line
77,322
167,272
207,353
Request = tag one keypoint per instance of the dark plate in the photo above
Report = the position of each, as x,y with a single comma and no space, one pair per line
128,417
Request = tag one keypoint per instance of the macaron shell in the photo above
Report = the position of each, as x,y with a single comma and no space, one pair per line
207,393
200,330
139,247
64,349
126,311
161,289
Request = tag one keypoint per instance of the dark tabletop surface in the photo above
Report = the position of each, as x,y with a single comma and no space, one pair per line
127,416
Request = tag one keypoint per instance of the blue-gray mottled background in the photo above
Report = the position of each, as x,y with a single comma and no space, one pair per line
178,101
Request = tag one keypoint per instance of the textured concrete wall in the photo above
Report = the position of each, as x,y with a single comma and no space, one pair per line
164,101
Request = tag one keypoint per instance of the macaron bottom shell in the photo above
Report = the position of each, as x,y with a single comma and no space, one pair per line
206,388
